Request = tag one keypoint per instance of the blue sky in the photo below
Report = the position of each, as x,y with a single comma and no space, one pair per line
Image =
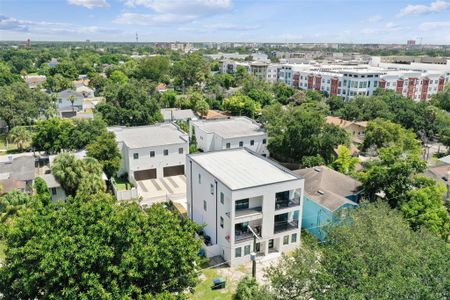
357,21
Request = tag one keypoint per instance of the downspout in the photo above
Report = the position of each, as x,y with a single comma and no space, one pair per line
192,194
215,181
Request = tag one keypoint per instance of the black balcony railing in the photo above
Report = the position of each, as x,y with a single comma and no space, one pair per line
246,234
284,203
285,225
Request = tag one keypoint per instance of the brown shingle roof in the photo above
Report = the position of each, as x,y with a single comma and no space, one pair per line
328,187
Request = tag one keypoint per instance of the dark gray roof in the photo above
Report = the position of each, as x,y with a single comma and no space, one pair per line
19,168
328,187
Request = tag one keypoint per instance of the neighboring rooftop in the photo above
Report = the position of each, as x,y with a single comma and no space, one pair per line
18,168
172,114
149,136
242,168
50,180
344,123
232,127
328,187
445,159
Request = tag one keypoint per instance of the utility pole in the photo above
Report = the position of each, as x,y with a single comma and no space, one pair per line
253,254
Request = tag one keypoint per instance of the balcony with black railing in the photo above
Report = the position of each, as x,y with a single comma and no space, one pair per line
285,226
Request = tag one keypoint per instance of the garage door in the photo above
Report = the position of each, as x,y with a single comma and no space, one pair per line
145,174
173,171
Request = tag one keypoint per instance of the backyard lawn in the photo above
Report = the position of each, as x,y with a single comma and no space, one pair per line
121,184
12,148
204,291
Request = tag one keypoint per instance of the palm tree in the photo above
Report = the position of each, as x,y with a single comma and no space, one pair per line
20,136
72,100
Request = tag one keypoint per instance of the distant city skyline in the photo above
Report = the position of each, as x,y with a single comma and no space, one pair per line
285,21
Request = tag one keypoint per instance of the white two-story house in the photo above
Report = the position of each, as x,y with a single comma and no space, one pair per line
236,132
231,191
150,152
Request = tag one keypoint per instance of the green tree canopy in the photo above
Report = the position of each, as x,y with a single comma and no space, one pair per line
20,136
240,105
129,104
20,105
95,248
71,172
345,162
153,68
104,149
375,256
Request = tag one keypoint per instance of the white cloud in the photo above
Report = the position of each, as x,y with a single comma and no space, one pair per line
153,19
192,7
421,9
376,18
165,12
426,26
89,3
389,27
48,28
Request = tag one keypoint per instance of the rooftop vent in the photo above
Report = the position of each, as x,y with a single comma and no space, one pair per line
317,169
321,192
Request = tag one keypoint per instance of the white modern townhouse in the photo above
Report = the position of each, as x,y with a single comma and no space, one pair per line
234,192
235,132
150,152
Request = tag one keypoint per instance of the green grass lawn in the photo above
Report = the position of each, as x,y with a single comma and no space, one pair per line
121,184
12,148
204,291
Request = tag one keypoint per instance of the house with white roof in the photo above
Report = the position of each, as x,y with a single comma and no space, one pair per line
237,193
150,152
230,133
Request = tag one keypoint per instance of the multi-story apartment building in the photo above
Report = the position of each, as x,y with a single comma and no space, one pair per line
232,192
150,152
236,132
259,69
418,81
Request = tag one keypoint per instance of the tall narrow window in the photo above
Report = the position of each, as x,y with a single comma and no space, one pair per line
221,222
204,205
135,155
252,142
212,188
241,144
152,153
237,252
199,178
222,197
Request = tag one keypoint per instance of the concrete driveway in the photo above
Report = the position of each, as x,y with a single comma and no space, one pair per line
162,189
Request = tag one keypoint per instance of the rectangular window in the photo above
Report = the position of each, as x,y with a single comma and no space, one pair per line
152,153
199,178
180,150
293,238
241,204
166,152
222,197
241,144
252,142
285,240
135,155
53,191
264,141
237,252
221,222
247,250
212,188
228,145
204,205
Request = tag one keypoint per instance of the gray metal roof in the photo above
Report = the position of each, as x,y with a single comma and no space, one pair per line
170,114
242,168
50,180
232,127
149,136
328,187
